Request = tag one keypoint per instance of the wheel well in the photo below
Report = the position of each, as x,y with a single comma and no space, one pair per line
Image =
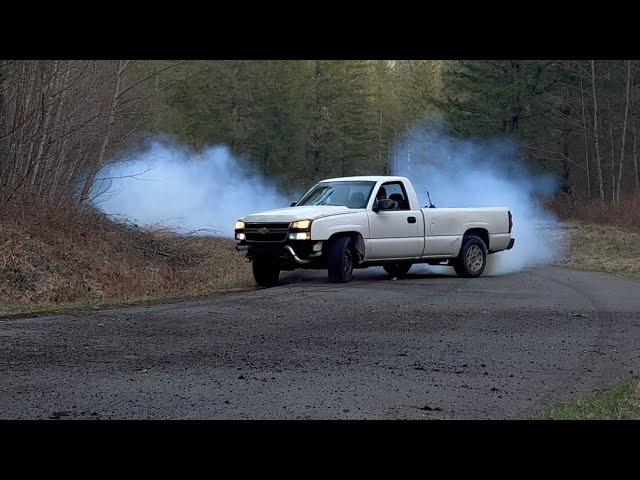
355,236
478,232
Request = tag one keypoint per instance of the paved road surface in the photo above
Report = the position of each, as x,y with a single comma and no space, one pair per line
429,346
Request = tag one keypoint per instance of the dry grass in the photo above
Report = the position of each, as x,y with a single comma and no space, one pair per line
65,258
604,248
605,237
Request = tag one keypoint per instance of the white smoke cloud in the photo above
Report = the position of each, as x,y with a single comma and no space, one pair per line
172,186
489,173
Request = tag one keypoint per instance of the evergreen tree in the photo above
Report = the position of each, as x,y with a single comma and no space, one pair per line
486,98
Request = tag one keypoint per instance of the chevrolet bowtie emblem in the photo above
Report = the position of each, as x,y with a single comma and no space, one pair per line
263,230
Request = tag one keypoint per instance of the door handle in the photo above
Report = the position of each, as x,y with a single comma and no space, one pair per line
411,219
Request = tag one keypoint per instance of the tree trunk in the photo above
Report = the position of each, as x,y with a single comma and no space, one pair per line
595,131
586,143
45,132
613,162
635,162
47,167
380,140
21,113
624,132
61,159
565,186
95,168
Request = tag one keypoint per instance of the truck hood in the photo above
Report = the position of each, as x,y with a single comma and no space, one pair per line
291,214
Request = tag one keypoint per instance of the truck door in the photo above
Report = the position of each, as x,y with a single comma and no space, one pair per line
395,233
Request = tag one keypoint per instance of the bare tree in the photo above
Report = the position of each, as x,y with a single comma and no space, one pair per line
595,131
97,164
635,163
61,121
624,132
586,143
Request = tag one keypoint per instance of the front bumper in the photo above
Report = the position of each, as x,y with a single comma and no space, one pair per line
297,252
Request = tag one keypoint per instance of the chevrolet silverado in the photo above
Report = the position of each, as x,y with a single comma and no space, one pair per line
358,222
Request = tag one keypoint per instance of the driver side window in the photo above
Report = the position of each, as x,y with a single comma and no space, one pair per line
394,191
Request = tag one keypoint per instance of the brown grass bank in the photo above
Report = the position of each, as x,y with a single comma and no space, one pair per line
66,258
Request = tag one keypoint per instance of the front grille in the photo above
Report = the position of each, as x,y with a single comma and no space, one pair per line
266,232
270,226
266,237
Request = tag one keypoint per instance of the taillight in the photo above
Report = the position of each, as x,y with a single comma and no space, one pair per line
510,221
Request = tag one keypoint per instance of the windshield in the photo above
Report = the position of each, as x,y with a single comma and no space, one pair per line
346,194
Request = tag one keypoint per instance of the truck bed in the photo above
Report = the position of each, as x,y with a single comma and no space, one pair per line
445,227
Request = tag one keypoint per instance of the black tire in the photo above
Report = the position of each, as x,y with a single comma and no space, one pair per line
340,259
397,269
472,259
266,271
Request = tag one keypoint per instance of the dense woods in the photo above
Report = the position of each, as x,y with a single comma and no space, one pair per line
298,121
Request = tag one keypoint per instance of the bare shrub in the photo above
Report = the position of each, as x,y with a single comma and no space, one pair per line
625,214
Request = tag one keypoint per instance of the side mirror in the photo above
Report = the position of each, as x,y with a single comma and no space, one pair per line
293,204
384,204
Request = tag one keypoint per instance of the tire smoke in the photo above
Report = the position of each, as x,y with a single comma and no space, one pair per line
171,186
483,173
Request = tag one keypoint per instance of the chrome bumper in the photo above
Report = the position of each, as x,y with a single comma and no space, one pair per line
279,249
292,252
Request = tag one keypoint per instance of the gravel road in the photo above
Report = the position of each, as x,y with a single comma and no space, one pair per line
428,346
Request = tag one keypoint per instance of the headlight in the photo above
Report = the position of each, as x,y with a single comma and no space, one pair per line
240,236
301,225
300,236
239,225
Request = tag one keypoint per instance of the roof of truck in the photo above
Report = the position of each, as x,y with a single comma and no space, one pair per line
365,178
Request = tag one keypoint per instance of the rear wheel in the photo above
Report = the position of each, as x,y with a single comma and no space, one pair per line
265,271
340,259
472,258
397,269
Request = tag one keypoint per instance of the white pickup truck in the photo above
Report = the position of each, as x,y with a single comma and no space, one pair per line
358,222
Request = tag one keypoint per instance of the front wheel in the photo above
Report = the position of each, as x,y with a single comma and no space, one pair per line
397,269
472,259
340,259
266,272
